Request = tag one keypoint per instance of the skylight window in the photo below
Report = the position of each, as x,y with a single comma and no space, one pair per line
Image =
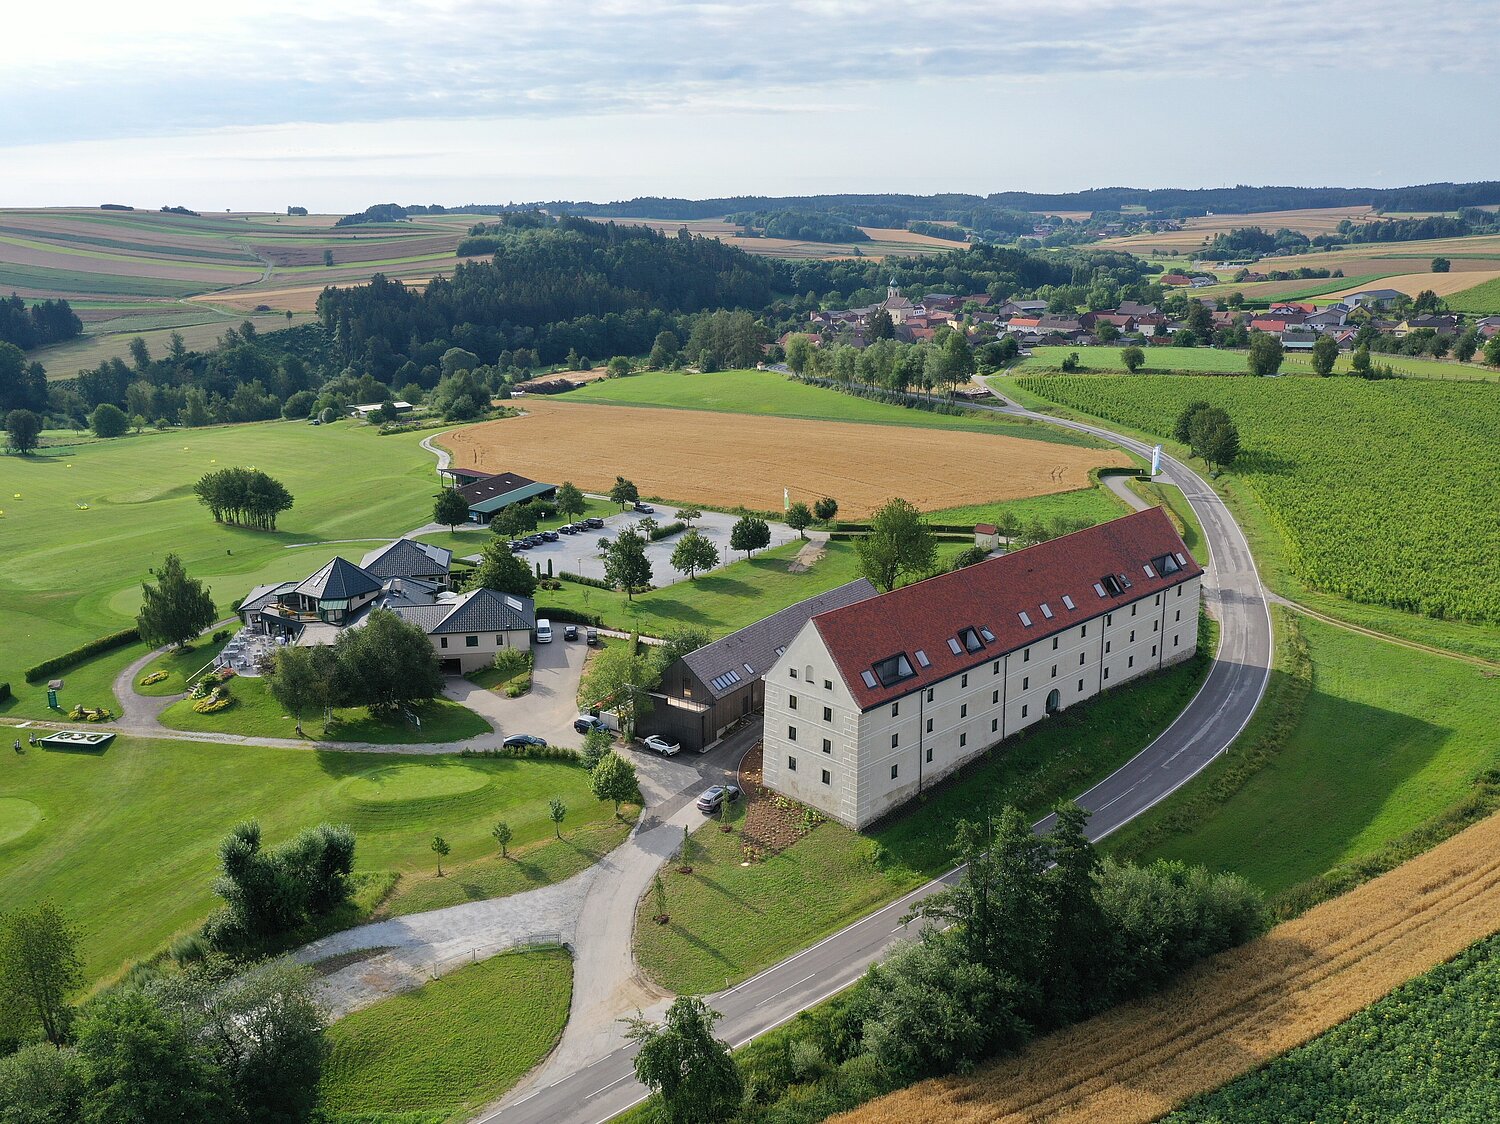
989,637
1181,561
1068,601
893,669
1150,573
954,646
969,638
1025,620
868,678
749,670
1046,610
1112,585
922,658
1099,589
1166,564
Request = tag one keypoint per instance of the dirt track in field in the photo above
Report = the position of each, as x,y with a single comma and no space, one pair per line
734,459
1236,1012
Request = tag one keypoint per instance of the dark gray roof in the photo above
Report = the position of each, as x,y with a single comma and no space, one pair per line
263,595
406,558
425,617
396,592
484,610
340,580
727,664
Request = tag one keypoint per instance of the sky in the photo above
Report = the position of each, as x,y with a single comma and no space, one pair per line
334,105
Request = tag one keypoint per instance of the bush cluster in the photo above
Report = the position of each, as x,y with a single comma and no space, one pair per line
83,652
666,530
271,891
583,579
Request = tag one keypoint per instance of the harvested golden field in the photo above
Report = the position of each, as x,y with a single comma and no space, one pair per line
907,237
1443,284
697,456
1196,231
1237,1011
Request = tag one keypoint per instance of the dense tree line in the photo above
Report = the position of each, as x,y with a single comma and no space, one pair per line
45,322
804,226
1414,230
245,496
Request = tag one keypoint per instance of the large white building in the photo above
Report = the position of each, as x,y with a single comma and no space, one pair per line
875,701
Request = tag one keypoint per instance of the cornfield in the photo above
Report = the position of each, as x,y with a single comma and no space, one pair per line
1382,491
1237,1011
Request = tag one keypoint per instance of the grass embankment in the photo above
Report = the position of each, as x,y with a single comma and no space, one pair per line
729,921
1240,1009
127,840
443,1050
93,518
1424,1052
1342,489
772,394
1358,743
256,713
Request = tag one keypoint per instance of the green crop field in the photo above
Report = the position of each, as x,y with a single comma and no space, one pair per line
1426,1052
1483,300
1158,360
450,1046
1380,491
126,840
1386,738
766,392
729,921
82,525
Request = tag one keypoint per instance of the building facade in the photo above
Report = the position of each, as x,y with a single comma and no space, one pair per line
873,702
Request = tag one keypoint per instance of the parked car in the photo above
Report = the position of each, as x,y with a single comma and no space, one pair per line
594,521
570,632
658,744
645,509
522,741
568,529
543,630
591,636
718,794
536,540
520,544
586,722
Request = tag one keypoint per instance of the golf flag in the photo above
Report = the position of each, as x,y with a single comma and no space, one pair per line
1156,461
786,499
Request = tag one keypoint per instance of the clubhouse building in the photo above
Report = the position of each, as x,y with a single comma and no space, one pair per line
873,701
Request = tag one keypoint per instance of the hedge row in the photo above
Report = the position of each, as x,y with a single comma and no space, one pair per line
936,528
568,616
85,652
526,752
941,536
669,529
583,579
4,691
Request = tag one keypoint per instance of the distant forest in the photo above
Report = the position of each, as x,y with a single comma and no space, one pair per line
43,323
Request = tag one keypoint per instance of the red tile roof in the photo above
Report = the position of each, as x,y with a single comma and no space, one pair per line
992,595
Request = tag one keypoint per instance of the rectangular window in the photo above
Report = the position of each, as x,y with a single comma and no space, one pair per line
895,709
1155,626
1083,630
1080,686
442,641
929,756
1106,673
996,669
828,684
1174,640
1130,662
828,714
1132,636
1179,615
1054,643
929,694
791,764
895,740
1179,591
1109,619
499,641
1082,656
1025,682
1153,649
471,641
1158,600
929,725
1026,656
1023,711
1107,647
963,681
793,673
827,746
827,777
963,711
1054,671
994,697
963,740
791,733
1133,609
994,725
894,770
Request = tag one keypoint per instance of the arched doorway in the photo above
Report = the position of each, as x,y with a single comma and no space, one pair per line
1054,701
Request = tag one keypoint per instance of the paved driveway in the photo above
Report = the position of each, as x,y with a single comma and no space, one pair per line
548,709
579,554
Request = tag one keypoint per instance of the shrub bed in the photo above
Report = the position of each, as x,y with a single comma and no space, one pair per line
582,579
668,530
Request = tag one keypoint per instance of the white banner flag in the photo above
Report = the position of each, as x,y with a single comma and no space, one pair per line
786,499
1156,461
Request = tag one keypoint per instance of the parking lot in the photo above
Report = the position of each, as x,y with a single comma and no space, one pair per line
579,554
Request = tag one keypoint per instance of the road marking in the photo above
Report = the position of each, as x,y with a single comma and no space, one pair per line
611,1085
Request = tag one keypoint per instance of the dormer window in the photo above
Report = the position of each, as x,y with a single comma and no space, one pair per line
971,640
1166,564
893,669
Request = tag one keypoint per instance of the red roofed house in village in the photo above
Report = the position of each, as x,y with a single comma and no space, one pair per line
872,702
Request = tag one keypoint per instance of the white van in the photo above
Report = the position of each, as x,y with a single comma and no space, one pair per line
543,631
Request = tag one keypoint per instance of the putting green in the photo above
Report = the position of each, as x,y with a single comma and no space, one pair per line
17,818
404,784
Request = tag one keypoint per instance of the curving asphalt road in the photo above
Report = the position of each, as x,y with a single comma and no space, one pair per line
1211,721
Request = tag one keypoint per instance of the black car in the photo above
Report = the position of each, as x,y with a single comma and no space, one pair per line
570,632
568,529
550,536
521,544
594,521
645,509
586,722
523,741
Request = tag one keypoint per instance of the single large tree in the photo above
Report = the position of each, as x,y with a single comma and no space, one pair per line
826,508
613,778
749,533
23,430
620,679
693,552
386,664
898,546
1264,357
626,564
1133,357
690,1073
1325,353
176,609
623,492
569,500
503,571
108,420
141,1064
1182,428
799,517
451,509
303,679
39,969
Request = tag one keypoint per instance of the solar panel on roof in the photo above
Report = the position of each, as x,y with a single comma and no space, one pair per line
954,646
868,678
1068,601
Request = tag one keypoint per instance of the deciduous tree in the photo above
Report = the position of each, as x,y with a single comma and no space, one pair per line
692,1077
23,430
1264,357
694,552
799,517
749,533
1133,358
623,492
619,679
898,545
613,778
826,508
39,970
1325,353
626,565
502,834
451,509
386,664
570,504
441,848
176,609
503,571
557,811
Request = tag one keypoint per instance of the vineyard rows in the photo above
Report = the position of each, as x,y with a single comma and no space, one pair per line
1384,492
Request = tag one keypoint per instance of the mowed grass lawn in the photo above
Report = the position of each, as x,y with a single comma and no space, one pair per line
451,1045
127,840
729,921
1389,737
256,713
771,393
91,520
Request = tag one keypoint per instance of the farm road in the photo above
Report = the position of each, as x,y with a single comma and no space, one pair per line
593,1089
